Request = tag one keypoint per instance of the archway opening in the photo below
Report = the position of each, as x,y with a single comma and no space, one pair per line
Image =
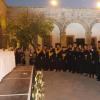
95,33
55,35
75,32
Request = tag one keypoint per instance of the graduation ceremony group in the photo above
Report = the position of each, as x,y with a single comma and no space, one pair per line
81,59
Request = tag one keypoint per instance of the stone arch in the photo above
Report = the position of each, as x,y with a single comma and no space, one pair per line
75,29
55,34
93,23
82,22
58,23
95,30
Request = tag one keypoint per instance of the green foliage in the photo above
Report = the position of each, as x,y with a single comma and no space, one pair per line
27,28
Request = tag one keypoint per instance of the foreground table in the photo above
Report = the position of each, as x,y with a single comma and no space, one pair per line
17,85
7,63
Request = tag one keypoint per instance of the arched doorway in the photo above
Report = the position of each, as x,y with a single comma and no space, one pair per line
75,32
95,33
55,35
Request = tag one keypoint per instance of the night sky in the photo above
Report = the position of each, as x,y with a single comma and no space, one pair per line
62,3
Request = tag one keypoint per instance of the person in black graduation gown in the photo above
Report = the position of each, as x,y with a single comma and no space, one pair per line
81,60
50,58
31,60
44,58
74,58
58,57
92,68
87,59
78,59
18,56
64,59
96,63
69,57
38,59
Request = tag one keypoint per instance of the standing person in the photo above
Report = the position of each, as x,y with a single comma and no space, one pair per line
58,57
27,56
74,58
32,56
44,58
80,59
87,59
50,59
18,56
38,59
96,57
64,59
22,53
69,57
98,67
92,62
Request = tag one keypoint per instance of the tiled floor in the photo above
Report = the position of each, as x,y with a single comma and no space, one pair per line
68,86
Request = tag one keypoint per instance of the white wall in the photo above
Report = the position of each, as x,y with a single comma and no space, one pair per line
75,29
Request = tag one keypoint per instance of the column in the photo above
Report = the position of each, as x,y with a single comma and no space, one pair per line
88,38
47,40
63,39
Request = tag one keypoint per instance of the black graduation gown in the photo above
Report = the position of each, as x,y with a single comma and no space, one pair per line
81,61
44,60
50,60
74,61
69,59
38,60
95,62
87,61
18,56
78,61
58,60
64,60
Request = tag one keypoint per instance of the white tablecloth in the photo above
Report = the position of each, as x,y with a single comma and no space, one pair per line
7,63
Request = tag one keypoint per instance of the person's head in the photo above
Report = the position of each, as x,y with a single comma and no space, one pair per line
39,46
50,47
78,49
44,47
86,47
64,48
80,46
74,45
90,47
58,45
18,49
70,46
